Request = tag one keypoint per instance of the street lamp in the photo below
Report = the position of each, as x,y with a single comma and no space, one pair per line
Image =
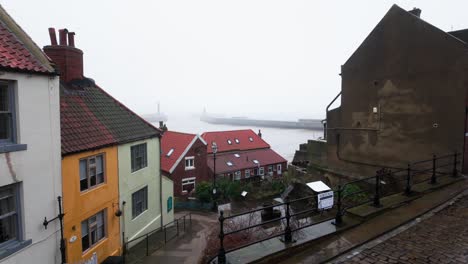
214,147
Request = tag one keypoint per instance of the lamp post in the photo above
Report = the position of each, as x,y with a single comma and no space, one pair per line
214,147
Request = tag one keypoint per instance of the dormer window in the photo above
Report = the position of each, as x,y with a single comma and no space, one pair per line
237,140
250,139
229,142
169,153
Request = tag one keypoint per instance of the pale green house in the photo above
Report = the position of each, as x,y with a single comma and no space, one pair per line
143,192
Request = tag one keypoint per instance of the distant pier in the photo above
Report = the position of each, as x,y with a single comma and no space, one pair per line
312,124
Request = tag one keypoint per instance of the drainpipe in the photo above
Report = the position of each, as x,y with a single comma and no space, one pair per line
160,185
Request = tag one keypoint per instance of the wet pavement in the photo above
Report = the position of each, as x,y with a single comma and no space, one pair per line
189,247
335,245
440,238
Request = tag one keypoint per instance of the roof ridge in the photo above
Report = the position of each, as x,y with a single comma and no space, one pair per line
177,132
235,130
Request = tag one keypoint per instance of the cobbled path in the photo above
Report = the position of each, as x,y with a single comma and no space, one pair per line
442,238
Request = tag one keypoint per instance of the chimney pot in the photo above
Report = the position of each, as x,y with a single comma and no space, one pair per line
63,36
71,39
416,12
53,37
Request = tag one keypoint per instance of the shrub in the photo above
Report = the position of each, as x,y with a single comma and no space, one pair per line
203,192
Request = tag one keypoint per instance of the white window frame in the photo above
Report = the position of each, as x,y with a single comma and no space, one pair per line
188,181
247,173
237,175
89,167
270,170
191,163
93,227
11,111
261,171
279,169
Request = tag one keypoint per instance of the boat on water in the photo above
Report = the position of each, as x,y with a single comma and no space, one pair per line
312,124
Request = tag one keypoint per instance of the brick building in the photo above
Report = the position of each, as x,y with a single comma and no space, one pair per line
183,159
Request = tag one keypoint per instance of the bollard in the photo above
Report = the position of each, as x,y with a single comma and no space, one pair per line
184,223
147,246
377,188
221,252
287,231
433,178
339,214
454,173
408,180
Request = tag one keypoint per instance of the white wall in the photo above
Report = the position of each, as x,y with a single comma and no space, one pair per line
38,167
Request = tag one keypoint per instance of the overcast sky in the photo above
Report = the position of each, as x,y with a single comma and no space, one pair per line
242,57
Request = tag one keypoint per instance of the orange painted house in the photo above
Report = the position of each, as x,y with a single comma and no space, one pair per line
93,125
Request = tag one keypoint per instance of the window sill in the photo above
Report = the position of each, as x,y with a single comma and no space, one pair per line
12,147
189,168
12,247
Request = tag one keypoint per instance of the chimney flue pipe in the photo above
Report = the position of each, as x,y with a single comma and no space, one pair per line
63,36
53,37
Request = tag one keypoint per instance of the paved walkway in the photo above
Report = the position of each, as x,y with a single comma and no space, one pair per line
441,238
188,248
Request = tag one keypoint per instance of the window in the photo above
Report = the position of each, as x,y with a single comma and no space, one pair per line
256,172
247,173
93,230
139,157
229,142
229,163
188,184
270,170
261,171
91,172
278,168
255,161
237,175
237,155
7,114
169,153
250,139
190,163
9,219
237,140
139,201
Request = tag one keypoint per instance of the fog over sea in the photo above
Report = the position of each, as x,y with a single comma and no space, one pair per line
283,141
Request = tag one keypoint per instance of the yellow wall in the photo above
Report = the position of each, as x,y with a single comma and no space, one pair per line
79,206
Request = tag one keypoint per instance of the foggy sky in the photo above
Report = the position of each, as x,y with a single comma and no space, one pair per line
243,57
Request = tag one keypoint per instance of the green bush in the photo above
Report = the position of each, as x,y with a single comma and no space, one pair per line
203,192
352,190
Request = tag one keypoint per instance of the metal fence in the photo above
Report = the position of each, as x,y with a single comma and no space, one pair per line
137,248
386,182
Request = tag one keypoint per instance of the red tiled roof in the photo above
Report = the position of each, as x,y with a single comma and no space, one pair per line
178,142
90,118
17,50
243,140
245,160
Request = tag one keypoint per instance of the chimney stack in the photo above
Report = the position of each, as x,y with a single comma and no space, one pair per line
416,12
68,59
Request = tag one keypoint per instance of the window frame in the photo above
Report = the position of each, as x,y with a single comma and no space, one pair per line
247,173
88,169
93,228
270,170
144,201
237,175
261,171
11,96
134,151
192,159
188,181
279,169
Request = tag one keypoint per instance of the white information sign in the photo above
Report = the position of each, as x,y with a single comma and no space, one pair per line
325,200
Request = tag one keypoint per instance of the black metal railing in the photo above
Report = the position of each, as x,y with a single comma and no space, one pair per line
385,182
144,245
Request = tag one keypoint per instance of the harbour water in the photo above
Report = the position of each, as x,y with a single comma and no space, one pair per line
283,141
